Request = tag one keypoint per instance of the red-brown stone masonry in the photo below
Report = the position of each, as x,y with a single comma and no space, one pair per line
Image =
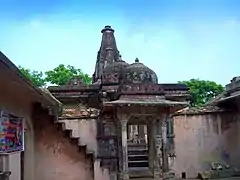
56,158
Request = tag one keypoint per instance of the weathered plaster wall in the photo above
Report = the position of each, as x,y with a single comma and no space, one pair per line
56,158
86,131
48,155
200,139
19,106
15,166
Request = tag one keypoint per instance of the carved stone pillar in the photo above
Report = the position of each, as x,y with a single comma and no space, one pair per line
124,149
120,164
151,155
170,137
164,146
158,145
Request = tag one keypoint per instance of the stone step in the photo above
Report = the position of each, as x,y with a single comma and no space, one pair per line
138,152
136,147
140,173
130,144
140,157
138,164
137,155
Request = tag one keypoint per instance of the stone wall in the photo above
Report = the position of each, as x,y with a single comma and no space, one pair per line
55,156
200,139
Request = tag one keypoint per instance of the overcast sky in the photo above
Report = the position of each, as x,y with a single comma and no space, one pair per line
178,39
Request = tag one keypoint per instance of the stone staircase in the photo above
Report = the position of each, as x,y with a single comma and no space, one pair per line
138,162
84,132
81,131
137,155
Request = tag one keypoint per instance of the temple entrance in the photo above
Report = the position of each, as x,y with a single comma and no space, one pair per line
141,123
137,147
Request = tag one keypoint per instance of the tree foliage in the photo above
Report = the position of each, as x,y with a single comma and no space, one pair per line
59,75
36,77
62,74
202,91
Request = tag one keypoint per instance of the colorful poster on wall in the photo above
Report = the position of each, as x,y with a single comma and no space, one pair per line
11,134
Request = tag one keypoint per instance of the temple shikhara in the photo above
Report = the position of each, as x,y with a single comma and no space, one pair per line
125,125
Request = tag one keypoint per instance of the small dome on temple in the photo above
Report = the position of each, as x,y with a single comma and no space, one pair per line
137,72
113,72
115,67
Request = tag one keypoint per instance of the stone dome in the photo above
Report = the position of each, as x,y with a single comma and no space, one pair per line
137,72
113,72
116,67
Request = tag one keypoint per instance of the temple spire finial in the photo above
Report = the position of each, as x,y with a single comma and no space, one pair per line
108,52
107,28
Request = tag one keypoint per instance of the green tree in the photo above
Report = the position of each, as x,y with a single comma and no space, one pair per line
202,91
62,74
36,77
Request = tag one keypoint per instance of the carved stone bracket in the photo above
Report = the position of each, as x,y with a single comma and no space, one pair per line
121,115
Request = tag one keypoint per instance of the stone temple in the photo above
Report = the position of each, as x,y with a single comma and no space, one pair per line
132,112
119,127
